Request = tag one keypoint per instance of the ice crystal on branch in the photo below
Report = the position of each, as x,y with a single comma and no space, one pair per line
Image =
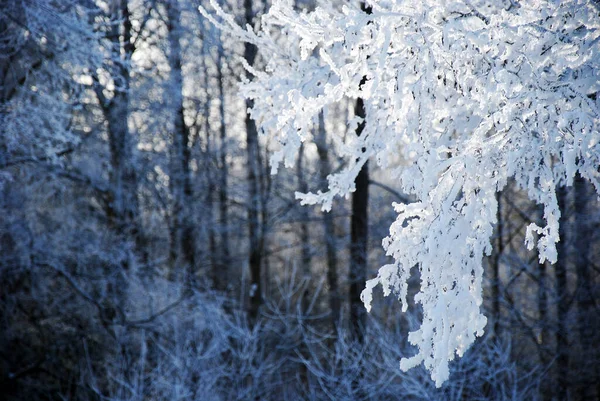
469,94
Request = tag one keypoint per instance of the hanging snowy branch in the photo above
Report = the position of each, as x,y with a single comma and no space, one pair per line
460,96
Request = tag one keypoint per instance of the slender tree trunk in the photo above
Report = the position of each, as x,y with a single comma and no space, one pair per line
305,259
207,166
265,182
125,205
496,267
254,202
584,297
329,229
358,239
210,195
123,210
224,254
305,252
183,241
542,304
542,296
359,229
560,269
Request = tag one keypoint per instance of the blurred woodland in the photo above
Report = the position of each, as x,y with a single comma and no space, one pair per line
147,253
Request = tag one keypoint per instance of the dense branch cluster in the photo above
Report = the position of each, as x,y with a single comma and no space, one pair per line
460,97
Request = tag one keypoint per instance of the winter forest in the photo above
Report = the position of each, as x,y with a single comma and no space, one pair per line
299,200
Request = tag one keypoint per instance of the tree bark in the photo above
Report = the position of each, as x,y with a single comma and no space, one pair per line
359,225
305,251
496,267
542,305
328,226
123,210
586,320
209,196
254,202
560,270
224,255
359,228
183,237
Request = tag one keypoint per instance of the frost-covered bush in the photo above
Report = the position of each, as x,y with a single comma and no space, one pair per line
197,351
163,341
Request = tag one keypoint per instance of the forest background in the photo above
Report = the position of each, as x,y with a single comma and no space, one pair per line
146,252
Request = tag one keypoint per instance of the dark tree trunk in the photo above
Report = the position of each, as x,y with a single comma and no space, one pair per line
542,296
255,256
305,251
209,196
584,296
359,229
542,304
183,235
358,239
224,254
254,202
328,225
123,208
496,267
560,269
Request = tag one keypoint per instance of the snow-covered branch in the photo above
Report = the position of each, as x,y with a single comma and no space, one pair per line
460,97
